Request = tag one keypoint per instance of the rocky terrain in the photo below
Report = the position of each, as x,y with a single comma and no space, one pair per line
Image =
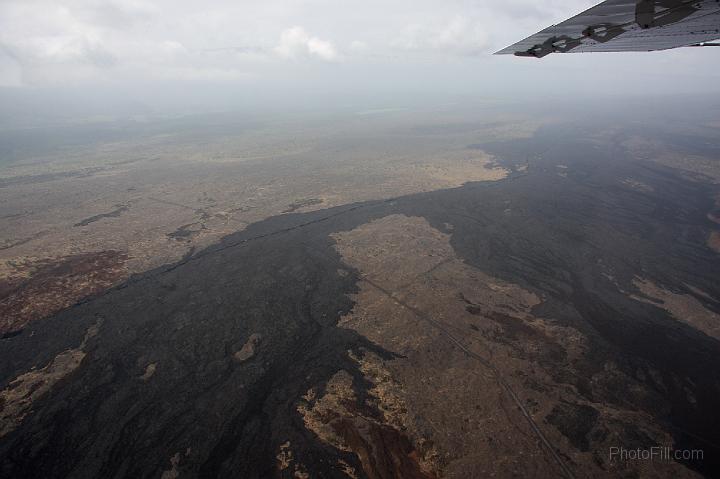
93,215
519,327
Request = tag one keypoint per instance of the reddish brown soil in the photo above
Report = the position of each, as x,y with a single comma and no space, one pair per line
384,451
54,285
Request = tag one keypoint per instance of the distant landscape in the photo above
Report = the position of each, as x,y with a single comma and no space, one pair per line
464,290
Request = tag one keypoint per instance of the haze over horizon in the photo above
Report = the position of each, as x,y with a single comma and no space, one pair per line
110,58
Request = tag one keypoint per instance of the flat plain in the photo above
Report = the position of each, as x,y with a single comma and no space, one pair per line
447,293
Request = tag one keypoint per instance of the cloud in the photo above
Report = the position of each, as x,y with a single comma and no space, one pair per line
87,41
456,36
358,46
296,43
114,43
10,69
118,14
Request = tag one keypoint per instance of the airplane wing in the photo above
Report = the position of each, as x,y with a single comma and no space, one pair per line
627,26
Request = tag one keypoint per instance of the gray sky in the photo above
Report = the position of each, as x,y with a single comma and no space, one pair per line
280,50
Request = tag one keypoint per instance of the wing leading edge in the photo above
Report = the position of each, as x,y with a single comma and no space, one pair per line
627,26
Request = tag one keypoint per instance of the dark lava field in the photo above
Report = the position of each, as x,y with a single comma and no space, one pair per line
160,387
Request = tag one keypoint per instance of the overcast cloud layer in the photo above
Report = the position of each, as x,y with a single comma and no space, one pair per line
280,48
